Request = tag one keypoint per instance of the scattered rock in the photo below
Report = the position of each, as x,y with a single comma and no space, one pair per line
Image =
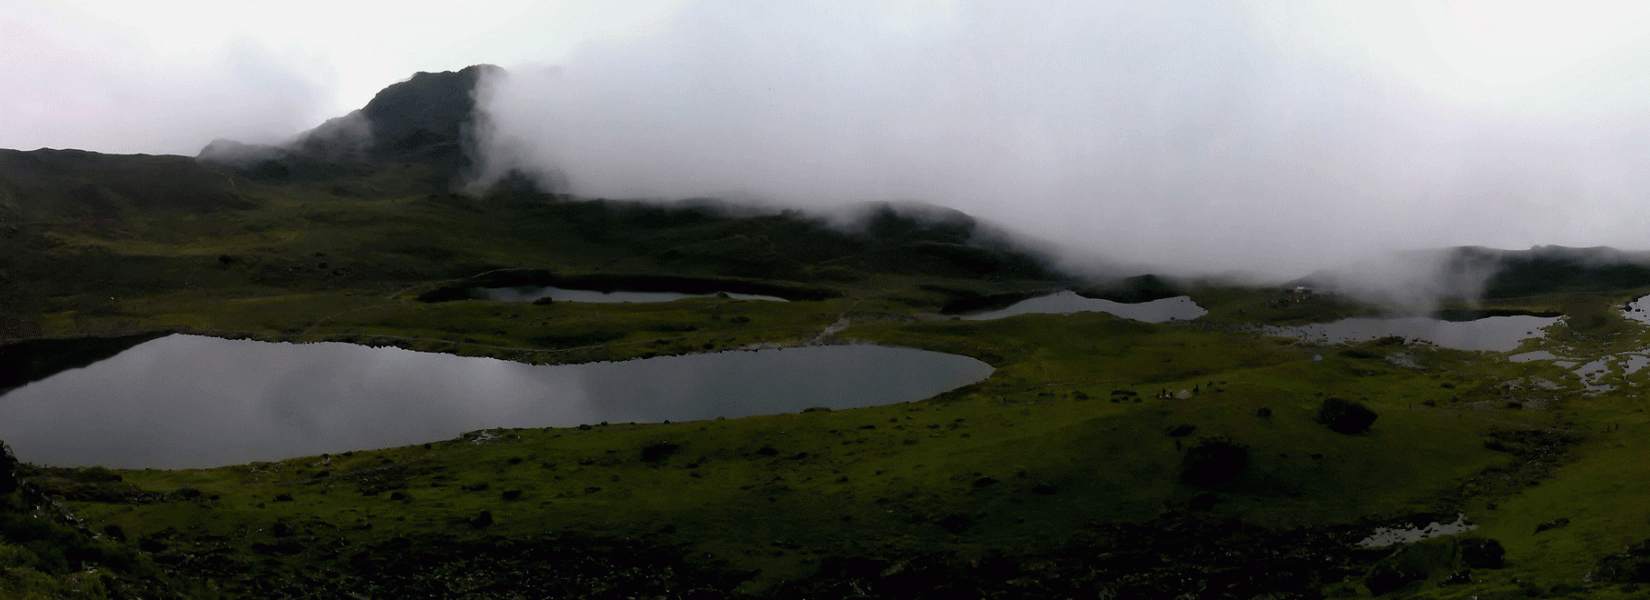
283,497
483,520
1345,416
1462,577
1553,524
1631,565
8,470
280,546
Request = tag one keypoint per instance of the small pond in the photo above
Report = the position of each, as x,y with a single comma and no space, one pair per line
1498,334
187,401
556,294
1388,536
1638,310
1157,311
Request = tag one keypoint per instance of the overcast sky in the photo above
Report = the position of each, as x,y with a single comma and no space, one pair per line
1271,136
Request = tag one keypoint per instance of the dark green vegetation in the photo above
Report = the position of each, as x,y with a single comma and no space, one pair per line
1103,458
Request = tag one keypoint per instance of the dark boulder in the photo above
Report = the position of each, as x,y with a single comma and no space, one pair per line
1203,502
1411,564
1214,461
1482,553
1345,416
1387,577
659,451
957,524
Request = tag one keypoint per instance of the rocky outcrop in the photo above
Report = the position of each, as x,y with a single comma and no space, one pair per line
428,119
1631,565
8,470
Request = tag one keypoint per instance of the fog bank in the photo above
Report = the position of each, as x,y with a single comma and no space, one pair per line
1198,136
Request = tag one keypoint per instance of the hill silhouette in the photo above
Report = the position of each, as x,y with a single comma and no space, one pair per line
427,120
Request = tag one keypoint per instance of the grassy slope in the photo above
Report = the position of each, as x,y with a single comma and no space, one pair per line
343,261
880,477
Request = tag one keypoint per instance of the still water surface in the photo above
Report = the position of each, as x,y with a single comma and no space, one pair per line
1157,311
556,294
189,401
1499,334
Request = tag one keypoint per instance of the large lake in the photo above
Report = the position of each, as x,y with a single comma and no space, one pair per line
188,401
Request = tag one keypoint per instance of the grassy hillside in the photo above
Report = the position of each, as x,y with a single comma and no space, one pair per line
1103,457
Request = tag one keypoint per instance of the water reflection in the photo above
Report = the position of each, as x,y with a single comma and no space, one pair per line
188,401
1156,311
1499,334
556,294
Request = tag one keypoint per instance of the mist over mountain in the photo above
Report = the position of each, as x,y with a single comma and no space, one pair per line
464,126
1183,134
429,119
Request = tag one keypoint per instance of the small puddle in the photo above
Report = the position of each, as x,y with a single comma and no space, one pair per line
1180,308
1592,375
1532,356
556,294
1386,536
1499,334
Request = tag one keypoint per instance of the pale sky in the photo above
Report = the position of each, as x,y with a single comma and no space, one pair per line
1263,135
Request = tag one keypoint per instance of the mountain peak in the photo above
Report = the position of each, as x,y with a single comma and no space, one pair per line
427,118
428,114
